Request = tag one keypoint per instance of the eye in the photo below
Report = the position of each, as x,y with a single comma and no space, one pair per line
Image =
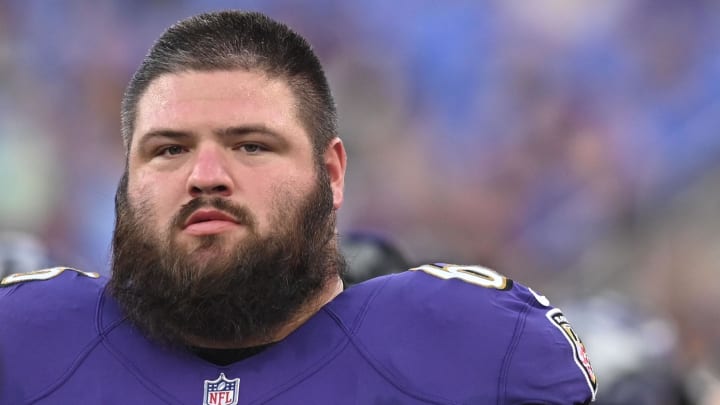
171,150
251,148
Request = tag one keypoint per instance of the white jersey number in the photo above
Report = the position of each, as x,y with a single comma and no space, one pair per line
478,275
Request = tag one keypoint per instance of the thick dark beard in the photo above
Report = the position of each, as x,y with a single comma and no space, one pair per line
244,295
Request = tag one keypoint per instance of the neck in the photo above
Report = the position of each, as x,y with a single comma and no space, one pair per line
332,289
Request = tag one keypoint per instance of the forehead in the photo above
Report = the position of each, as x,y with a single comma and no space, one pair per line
197,101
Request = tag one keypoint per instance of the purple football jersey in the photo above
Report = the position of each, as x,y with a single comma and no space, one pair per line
439,334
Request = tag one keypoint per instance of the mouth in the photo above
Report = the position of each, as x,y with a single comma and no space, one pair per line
207,222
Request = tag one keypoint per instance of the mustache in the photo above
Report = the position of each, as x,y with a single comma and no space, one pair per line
239,212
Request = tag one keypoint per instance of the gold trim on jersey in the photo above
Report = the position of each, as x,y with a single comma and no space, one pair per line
44,274
477,275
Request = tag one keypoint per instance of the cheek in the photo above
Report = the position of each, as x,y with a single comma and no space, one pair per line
149,196
139,192
284,199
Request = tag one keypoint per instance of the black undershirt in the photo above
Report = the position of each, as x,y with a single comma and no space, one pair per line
224,357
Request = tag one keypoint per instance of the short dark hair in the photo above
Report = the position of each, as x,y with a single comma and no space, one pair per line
229,40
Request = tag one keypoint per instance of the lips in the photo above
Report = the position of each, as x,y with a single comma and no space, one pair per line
205,222
201,216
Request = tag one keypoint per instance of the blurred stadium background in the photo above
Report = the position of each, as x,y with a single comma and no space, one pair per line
571,145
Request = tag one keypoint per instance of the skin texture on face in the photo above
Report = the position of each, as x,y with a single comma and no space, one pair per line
227,133
225,199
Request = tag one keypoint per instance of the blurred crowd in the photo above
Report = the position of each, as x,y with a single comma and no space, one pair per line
571,145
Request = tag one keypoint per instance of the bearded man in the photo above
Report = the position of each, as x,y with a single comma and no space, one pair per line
226,274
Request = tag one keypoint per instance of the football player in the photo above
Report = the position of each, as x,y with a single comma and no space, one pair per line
225,285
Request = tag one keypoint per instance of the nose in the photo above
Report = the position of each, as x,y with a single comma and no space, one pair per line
210,173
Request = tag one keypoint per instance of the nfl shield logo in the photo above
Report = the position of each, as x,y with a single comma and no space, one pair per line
221,391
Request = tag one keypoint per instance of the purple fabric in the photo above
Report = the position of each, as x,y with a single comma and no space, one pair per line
401,339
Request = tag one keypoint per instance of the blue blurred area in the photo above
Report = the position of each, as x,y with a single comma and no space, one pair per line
477,130
527,136
540,125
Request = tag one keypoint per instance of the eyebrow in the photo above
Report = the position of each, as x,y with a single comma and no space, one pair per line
224,132
163,133
246,129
